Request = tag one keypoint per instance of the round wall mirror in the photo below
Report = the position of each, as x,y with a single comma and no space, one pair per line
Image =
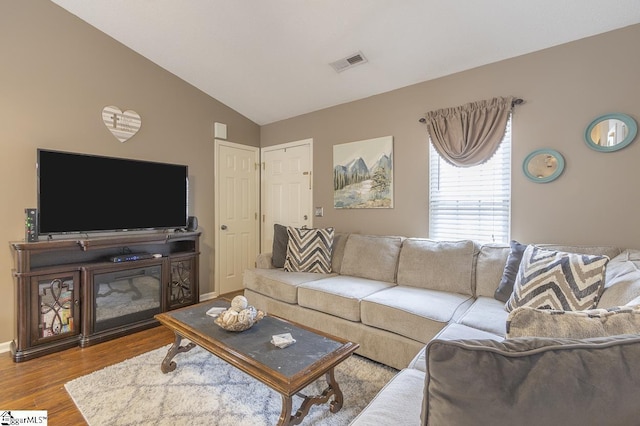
543,165
610,132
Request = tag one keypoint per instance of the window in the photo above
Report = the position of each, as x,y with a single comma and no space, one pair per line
471,202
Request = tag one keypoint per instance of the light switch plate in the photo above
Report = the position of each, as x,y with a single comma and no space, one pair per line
319,212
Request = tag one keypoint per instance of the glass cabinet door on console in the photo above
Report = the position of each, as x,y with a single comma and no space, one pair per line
55,311
183,289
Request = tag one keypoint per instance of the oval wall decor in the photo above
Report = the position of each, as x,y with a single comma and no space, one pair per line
123,125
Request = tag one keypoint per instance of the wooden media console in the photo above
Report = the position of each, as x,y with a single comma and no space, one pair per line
69,293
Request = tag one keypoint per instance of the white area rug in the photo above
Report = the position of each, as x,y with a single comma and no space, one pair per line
204,390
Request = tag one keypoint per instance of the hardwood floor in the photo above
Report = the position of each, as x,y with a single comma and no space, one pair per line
38,384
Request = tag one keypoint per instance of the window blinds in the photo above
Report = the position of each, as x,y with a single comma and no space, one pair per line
471,202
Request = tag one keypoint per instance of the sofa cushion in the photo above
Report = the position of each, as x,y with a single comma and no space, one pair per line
505,288
453,331
309,250
370,256
529,322
416,313
339,295
608,251
558,280
457,331
490,267
532,382
278,284
487,314
622,280
437,265
397,403
634,302
279,247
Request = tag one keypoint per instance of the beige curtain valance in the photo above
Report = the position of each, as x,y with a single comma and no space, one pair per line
470,134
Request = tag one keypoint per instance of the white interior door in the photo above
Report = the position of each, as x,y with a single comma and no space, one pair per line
236,220
287,193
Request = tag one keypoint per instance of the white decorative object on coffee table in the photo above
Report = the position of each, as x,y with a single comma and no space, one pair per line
239,303
240,316
282,340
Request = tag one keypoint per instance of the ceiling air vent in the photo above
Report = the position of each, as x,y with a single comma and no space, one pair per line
348,62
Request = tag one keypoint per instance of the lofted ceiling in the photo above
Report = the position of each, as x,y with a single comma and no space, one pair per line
269,59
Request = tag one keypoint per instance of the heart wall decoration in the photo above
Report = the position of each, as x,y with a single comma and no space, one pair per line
123,125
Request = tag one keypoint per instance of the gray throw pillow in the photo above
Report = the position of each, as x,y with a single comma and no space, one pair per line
280,241
529,322
550,279
532,382
505,288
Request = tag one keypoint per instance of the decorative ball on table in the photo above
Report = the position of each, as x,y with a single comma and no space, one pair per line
239,303
240,316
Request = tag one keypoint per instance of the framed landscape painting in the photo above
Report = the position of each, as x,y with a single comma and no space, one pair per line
363,174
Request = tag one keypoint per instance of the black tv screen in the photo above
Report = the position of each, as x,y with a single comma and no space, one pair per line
85,193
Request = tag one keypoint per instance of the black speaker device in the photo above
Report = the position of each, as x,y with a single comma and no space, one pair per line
31,225
192,223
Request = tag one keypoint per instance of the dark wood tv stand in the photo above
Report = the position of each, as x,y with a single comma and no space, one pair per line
56,281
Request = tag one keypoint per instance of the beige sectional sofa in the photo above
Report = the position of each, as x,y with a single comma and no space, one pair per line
394,295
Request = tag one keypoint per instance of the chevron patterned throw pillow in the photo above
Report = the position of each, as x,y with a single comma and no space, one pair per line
309,250
550,279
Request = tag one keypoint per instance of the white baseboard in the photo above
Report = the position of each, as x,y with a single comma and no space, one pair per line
5,347
208,296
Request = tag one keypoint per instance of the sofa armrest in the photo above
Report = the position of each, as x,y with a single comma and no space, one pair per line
397,403
263,261
532,381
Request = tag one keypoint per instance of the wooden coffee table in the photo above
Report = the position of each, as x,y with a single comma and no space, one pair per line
286,371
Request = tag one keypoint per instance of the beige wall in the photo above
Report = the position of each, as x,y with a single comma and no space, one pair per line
595,201
57,74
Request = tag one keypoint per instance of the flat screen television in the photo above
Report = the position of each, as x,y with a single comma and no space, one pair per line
89,193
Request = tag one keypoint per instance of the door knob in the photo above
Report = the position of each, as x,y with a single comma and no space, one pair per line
223,227
305,217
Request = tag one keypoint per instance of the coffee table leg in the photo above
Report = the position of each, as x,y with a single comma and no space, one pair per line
168,365
286,418
336,404
333,389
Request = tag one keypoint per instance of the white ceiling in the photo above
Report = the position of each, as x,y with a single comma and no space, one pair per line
269,59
